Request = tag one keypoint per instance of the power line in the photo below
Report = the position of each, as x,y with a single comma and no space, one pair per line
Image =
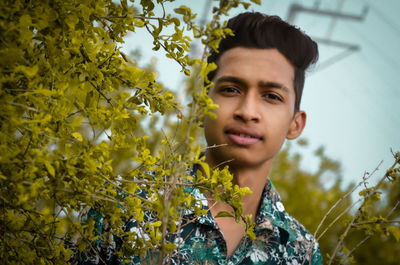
296,8
384,18
336,58
346,48
380,51
335,16
334,20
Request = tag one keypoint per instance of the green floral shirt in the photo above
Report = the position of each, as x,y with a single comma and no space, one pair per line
280,239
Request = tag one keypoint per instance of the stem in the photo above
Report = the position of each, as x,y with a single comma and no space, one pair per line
369,236
345,196
337,218
359,212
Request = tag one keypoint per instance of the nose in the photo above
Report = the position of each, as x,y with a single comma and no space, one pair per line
247,109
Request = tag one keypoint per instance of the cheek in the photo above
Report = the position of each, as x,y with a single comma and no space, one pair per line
225,108
280,122
213,127
210,131
209,124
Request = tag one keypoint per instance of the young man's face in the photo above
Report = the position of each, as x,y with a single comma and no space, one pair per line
254,89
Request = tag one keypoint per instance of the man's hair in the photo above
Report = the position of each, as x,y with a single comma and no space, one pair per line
256,30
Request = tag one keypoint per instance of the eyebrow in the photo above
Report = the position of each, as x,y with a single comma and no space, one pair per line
272,85
242,82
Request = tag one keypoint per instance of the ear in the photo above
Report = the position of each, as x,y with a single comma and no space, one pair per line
297,125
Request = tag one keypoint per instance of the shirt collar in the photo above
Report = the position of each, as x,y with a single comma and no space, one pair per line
270,213
271,208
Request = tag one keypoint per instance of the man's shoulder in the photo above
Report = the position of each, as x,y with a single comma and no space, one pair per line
298,241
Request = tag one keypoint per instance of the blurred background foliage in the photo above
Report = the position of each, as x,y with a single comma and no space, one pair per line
308,197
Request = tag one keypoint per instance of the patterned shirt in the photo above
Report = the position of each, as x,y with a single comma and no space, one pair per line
280,239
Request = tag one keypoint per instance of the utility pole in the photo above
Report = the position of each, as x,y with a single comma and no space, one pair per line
335,15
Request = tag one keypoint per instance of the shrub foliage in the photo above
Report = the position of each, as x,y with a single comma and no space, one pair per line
71,126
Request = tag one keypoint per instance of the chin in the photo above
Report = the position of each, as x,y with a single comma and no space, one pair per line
245,163
239,159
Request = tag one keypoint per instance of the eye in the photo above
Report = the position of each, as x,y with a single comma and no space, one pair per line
273,97
230,90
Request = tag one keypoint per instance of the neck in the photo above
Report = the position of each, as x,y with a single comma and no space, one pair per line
253,177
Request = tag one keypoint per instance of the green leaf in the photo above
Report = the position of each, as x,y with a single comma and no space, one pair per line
77,136
395,231
223,214
157,224
27,71
168,247
206,169
25,20
76,122
176,21
49,168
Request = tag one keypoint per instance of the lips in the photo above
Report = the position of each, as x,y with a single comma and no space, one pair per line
243,136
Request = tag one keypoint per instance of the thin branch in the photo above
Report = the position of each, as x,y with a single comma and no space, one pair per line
358,245
165,48
73,113
126,58
102,63
19,90
4,199
359,211
213,146
378,222
122,189
85,238
224,162
27,147
338,218
369,236
392,210
23,106
101,93
365,177
110,18
163,8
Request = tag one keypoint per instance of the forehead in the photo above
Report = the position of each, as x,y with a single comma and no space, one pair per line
256,65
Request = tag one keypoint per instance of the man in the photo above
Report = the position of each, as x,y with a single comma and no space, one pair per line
258,86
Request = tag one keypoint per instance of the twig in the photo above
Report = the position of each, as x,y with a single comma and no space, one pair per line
378,222
369,236
23,106
126,58
165,48
102,63
359,211
84,238
122,189
392,210
345,196
213,146
224,162
358,245
337,218
109,18
101,93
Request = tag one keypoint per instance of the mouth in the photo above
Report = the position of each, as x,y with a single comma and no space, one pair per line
243,137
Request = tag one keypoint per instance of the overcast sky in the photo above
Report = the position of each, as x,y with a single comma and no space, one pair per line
351,96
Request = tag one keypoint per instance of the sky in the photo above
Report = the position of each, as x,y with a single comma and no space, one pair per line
351,97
